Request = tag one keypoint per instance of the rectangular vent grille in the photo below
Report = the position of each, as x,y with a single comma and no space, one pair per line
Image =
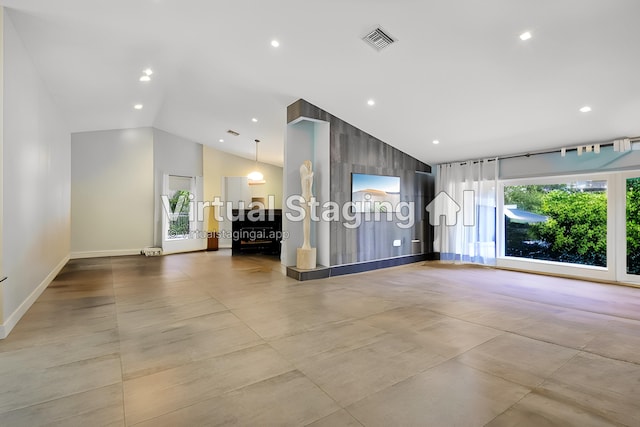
378,39
233,132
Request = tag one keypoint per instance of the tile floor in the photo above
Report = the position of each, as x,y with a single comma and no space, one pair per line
210,339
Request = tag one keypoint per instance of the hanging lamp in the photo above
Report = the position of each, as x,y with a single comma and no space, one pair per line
256,177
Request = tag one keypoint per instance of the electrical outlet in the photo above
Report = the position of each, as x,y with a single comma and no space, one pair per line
397,243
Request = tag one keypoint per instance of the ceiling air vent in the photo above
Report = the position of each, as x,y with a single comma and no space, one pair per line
378,39
233,132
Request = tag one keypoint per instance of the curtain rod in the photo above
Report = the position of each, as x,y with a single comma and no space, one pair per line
558,150
536,153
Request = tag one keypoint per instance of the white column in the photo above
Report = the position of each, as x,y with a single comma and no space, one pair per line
306,139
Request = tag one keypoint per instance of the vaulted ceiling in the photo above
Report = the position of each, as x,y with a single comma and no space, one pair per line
458,73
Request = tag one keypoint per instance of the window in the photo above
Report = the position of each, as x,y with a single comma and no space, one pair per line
181,218
633,225
559,221
583,225
180,196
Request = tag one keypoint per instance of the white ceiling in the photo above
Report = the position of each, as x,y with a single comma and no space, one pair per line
459,72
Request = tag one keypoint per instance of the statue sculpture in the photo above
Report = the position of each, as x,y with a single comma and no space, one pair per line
306,255
306,178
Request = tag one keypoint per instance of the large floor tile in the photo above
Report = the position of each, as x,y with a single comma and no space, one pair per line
246,295
156,312
99,407
495,311
450,337
414,318
537,410
518,359
60,352
27,387
156,348
621,340
349,376
289,399
326,341
451,394
351,302
167,391
282,318
53,322
609,388
567,327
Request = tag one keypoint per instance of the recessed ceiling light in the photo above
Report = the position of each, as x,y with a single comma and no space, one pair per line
254,120
371,102
145,78
275,43
585,109
436,142
138,106
148,71
525,36
221,140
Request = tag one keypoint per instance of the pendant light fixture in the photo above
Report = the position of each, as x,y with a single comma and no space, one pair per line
256,177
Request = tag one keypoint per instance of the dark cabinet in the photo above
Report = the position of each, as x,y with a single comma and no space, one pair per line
256,231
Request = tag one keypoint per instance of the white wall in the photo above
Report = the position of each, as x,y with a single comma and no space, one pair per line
172,155
112,192
36,182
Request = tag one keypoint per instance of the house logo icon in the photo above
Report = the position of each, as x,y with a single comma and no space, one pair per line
443,205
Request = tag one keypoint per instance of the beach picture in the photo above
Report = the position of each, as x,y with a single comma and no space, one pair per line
375,193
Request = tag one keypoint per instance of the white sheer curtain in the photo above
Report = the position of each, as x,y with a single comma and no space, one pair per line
473,186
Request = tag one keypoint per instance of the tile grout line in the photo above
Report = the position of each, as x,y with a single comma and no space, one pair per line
311,381
537,388
115,307
511,406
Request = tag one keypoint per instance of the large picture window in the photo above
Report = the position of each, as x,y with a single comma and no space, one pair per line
632,224
581,225
563,222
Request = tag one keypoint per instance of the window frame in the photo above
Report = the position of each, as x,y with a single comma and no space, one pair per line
621,231
608,273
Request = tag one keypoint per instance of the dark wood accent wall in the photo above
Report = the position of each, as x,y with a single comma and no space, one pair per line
355,151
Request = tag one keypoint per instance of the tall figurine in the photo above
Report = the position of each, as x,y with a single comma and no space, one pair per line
306,178
306,255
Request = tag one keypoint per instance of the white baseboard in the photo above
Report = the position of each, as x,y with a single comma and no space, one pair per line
12,320
101,254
